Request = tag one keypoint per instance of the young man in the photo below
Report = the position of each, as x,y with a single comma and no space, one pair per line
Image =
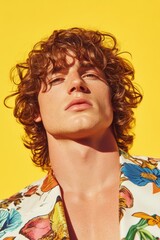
75,98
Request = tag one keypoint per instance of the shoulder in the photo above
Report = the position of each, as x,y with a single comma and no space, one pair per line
141,170
28,205
140,160
16,199
31,193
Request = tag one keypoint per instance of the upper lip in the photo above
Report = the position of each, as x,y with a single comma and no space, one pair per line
77,101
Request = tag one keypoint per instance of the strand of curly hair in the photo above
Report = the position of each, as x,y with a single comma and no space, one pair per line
101,50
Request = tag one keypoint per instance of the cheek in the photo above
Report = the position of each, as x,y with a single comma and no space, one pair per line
50,106
45,101
44,106
106,105
105,98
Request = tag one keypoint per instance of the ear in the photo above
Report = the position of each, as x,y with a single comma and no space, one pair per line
38,118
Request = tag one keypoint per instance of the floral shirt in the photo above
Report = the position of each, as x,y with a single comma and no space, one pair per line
37,212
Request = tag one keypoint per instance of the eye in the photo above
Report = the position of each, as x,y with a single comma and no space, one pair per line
90,76
56,81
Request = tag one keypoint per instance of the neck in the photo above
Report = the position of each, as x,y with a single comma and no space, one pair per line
84,166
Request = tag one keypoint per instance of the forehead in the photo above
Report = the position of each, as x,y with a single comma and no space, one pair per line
71,61
63,58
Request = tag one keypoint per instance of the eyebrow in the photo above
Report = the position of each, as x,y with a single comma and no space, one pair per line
86,64
60,69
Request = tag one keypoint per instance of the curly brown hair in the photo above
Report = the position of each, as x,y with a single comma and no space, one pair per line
101,50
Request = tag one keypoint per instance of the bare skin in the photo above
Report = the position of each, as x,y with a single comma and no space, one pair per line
83,152
89,180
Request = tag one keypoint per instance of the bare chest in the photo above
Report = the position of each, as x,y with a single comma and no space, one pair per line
96,218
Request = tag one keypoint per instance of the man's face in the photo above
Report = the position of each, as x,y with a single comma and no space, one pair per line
77,102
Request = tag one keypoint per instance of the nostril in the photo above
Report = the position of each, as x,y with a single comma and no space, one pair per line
72,89
82,88
78,86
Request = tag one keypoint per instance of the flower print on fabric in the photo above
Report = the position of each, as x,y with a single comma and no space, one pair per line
139,213
151,220
125,200
58,220
9,238
141,175
49,182
139,229
36,228
17,198
31,190
9,220
49,226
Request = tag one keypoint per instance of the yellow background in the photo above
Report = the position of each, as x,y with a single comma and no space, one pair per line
136,24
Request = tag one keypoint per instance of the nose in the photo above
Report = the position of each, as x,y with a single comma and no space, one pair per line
78,85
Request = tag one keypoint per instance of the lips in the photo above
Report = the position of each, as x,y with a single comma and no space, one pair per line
78,104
